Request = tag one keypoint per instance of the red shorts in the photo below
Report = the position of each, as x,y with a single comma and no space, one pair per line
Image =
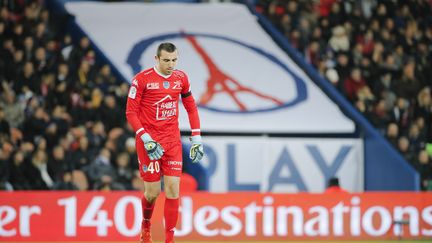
170,164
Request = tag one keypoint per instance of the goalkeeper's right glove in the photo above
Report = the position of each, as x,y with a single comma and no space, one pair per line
153,148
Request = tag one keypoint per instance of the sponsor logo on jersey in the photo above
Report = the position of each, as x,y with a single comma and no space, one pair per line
166,84
177,84
144,168
166,108
174,162
132,92
153,86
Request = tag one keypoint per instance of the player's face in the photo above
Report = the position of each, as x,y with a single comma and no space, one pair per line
166,62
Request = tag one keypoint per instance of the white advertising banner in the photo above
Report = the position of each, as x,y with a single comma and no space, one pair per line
285,165
242,80
71,216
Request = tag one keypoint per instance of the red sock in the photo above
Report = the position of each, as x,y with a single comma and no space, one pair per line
147,209
170,214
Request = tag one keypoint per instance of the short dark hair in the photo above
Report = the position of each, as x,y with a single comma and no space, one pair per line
166,46
334,181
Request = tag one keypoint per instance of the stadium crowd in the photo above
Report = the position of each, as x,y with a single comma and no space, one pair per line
378,54
60,127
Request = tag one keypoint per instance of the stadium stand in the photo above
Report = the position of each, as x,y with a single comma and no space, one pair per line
54,95
378,54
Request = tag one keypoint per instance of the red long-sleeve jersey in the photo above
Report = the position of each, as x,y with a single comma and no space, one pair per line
152,105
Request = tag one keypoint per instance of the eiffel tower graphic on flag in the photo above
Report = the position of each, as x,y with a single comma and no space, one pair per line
220,82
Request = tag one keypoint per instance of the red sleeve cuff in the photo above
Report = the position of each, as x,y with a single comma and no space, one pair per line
140,132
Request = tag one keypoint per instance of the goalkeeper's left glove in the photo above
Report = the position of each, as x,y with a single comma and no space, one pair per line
196,151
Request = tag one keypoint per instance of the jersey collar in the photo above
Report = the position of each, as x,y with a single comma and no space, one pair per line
160,74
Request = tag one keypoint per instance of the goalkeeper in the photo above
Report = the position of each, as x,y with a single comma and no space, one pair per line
152,111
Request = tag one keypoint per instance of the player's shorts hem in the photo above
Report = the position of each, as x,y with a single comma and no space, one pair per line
173,174
150,179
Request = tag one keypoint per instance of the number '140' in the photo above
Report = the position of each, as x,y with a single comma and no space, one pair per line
95,216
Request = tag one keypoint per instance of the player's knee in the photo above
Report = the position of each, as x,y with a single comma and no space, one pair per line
172,191
151,195
151,198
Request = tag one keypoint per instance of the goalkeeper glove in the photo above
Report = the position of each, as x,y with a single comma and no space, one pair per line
153,148
196,151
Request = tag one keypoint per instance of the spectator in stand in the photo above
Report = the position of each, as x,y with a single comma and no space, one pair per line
385,88
77,52
109,111
420,122
408,86
15,67
104,80
405,149
414,138
130,149
333,77
424,167
85,77
5,155
62,121
392,133
28,81
13,108
100,166
124,173
96,136
333,186
401,115
422,107
339,41
65,183
5,130
82,155
18,177
37,172
59,163
36,125
353,84
342,68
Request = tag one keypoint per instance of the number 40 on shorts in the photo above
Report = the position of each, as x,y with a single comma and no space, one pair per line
152,167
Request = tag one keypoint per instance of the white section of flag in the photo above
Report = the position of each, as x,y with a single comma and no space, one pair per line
117,27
